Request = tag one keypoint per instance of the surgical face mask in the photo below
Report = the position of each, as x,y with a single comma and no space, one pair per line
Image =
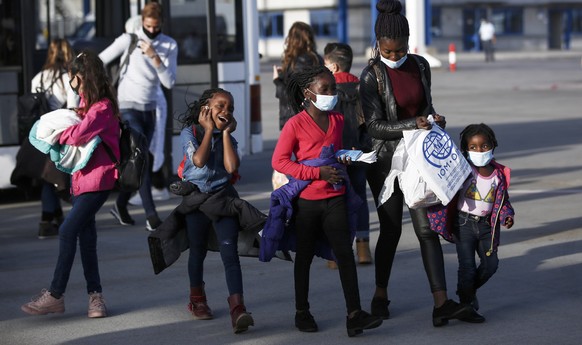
324,102
480,159
151,35
393,64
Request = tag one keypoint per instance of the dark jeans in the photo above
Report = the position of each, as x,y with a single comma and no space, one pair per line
79,223
49,199
357,175
390,217
226,229
144,122
489,50
474,237
317,219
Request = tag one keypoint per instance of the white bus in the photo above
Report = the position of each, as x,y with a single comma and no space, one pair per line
218,47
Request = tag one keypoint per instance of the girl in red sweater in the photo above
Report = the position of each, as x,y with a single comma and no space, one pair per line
320,210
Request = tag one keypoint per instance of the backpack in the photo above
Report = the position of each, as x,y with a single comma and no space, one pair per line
115,70
31,106
133,158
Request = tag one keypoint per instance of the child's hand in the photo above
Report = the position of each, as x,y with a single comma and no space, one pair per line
205,118
231,126
330,174
508,222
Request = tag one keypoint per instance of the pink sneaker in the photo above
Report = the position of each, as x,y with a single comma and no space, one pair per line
44,304
96,305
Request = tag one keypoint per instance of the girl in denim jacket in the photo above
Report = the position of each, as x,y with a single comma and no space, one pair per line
478,211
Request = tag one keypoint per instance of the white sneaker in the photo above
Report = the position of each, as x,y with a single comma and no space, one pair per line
160,194
135,200
96,305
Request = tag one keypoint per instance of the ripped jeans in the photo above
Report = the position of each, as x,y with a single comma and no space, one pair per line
198,227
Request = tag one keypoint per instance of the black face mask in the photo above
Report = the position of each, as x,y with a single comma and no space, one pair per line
151,35
75,89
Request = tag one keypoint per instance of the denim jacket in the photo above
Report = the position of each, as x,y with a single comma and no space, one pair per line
212,176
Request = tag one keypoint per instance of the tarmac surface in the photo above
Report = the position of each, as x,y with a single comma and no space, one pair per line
533,101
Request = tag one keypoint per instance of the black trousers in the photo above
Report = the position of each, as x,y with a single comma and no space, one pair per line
390,217
316,219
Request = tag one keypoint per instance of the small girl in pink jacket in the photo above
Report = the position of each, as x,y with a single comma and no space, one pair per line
90,186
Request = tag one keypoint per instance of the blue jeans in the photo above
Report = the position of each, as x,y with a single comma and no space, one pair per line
474,236
79,223
144,122
357,175
198,226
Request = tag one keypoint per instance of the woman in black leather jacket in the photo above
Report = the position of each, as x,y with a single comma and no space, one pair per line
395,96
300,52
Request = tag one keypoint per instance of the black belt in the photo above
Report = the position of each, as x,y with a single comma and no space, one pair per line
473,217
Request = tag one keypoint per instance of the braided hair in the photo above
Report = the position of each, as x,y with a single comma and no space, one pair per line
300,81
476,129
391,23
190,117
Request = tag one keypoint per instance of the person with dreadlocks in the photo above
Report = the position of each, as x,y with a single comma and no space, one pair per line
396,96
473,219
320,207
211,161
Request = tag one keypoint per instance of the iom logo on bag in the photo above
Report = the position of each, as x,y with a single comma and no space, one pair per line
437,148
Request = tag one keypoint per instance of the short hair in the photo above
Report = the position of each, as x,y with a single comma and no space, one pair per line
339,53
391,23
152,10
475,129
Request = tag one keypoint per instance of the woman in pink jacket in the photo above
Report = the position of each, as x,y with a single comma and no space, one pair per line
90,186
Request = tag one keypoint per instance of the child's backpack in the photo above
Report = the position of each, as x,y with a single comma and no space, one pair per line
133,158
31,106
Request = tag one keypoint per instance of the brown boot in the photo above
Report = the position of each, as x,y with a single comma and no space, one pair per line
197,306
363,250
331,264
241,320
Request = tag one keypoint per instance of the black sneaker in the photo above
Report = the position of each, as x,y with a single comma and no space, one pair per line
361,321
305,322
450,310
153,222
380,308
47,229
121,214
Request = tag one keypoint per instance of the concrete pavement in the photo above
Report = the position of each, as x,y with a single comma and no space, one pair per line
534,106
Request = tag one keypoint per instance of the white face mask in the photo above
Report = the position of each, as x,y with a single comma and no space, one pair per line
393,64
324,102
480,159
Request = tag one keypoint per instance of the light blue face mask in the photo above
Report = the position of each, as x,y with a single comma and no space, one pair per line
324,102
480,159
393,64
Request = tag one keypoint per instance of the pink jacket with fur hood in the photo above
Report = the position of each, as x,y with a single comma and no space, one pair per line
100,173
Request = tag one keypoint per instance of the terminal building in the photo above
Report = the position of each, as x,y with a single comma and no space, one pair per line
530,25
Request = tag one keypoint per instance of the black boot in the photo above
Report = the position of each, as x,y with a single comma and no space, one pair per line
468,297
380,307
304,321
361,321
449,310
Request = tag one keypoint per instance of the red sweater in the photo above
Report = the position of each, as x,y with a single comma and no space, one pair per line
302,137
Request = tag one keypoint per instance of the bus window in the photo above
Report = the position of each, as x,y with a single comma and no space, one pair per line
9,37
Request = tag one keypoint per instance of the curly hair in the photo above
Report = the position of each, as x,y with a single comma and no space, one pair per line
299,81
190,117
300,40
96,82
476,129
